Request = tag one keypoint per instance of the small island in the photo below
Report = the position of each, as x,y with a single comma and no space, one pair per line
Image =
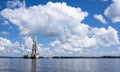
25,56
70,57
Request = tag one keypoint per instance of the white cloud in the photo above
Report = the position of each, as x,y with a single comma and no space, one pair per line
100,18
28,42
4,33
112,11
47,17
15,4
106,37
62,22
8,48
75,45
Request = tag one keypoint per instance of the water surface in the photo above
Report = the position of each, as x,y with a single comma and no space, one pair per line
59,65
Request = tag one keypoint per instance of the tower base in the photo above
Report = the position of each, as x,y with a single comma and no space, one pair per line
35,56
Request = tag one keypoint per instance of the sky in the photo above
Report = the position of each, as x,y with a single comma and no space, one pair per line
63,27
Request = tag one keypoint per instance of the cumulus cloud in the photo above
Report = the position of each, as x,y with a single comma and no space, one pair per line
100,37
62,22
100,18
8,48
106,37
112,11
45,17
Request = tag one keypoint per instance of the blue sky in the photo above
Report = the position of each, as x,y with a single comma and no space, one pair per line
63,27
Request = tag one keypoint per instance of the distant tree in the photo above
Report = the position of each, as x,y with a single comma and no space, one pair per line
25,56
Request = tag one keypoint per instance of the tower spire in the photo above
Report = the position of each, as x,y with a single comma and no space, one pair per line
35,53
35,38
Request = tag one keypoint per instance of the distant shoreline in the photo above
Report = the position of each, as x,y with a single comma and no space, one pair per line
65,57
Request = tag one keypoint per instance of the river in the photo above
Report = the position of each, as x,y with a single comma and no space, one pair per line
59,65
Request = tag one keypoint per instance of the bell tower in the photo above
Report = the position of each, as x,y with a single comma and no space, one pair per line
35,53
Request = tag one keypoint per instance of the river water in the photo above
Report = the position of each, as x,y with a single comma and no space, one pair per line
59,65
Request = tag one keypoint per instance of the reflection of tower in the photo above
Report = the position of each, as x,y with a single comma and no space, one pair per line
34,65
35,53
